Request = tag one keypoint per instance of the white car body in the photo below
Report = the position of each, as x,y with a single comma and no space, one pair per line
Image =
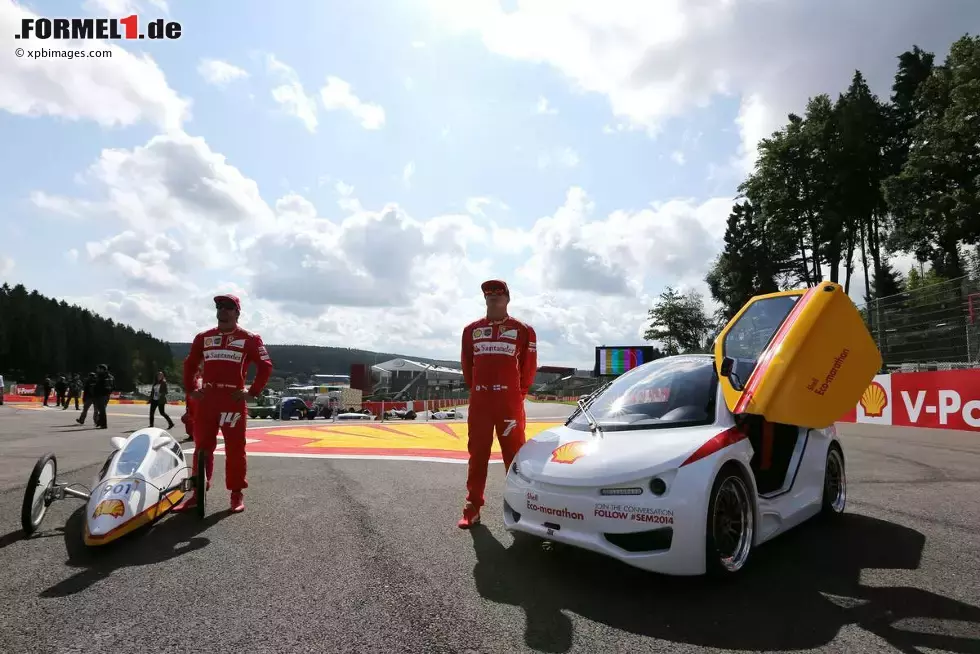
446,414
355,416
126,491
570,500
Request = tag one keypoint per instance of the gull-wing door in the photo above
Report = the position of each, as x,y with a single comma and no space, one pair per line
800,357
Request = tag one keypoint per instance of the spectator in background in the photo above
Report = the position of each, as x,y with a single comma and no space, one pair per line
74,390
158,399
88,399
60,388
104,383
46,385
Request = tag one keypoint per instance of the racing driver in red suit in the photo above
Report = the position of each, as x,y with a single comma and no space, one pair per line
500,359
226,352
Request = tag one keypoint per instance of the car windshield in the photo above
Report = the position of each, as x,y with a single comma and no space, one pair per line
132,456
669,392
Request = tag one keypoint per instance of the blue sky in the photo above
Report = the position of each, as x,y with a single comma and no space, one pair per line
588,154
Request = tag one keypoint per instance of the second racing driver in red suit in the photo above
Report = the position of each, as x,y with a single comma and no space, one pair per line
226,352
500,359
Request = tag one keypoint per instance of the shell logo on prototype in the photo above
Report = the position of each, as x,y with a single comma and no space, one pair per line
571,452
874,400
115,508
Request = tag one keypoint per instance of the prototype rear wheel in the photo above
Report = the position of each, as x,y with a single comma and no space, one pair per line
834,483
201,483
730,523
36,501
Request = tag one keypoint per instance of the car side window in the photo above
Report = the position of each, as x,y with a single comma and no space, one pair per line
748,338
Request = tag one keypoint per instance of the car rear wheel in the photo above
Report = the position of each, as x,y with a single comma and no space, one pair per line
834,483
730,523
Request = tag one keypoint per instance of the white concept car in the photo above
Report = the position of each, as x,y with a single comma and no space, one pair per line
685,464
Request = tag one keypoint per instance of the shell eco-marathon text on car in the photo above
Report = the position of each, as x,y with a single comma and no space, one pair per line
96,28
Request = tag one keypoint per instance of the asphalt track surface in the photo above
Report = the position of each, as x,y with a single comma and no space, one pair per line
364,556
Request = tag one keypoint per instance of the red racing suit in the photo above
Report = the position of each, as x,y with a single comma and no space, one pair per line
226,357
500,359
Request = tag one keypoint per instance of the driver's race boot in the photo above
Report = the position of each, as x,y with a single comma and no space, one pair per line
471,516
237,502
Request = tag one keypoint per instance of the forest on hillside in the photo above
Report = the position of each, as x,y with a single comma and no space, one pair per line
42,336
846,185
300,361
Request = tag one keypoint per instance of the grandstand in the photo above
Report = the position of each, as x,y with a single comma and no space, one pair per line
934,327
405,379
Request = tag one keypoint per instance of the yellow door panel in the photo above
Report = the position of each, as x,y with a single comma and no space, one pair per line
800,357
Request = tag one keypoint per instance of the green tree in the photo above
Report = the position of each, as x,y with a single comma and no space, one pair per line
751,263
680,323
935,198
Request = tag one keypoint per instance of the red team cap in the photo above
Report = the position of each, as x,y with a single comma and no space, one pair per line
231,298
495,287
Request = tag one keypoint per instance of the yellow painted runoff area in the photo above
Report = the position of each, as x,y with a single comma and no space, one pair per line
408,436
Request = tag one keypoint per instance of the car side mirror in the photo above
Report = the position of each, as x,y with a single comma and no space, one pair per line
117,442
728,371
727,364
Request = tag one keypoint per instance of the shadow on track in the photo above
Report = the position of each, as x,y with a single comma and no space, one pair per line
797,593
173,536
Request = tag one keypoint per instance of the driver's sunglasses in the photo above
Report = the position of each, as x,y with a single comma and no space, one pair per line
230,306
495,292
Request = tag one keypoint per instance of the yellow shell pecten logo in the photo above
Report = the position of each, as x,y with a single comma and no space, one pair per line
115,508
571,452
874,400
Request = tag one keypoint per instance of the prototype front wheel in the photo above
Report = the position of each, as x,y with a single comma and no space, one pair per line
201,483
730,523
36,501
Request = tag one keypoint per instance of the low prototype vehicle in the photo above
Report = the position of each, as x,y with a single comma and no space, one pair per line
142,479
352,414
684,465
446,414
400,414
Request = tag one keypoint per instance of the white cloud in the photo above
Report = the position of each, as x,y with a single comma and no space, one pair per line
338,94
220,73
627,252
119,90
190,223
174,184
7,266
291,95
678,157
543,107
657,60
407,173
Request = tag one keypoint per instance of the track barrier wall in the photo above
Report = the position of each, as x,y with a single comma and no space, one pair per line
945,399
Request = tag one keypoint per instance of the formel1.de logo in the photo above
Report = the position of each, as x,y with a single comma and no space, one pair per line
107,29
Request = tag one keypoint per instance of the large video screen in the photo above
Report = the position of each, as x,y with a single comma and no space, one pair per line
615,360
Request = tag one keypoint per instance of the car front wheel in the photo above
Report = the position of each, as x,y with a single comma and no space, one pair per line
730,523
834,483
